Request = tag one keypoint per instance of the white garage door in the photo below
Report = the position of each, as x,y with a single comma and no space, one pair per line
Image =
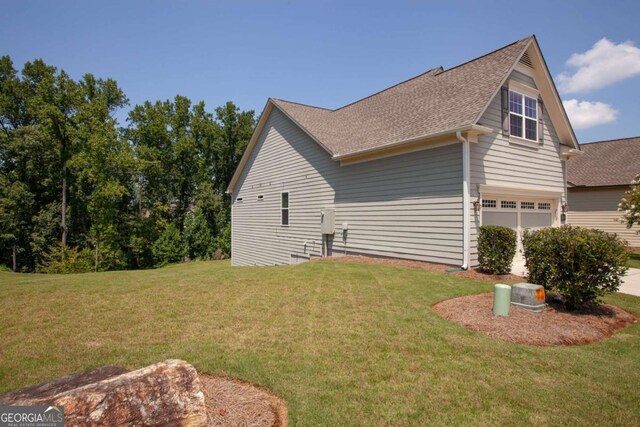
518,214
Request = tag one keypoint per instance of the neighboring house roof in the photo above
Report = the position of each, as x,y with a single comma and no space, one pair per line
428,104
605,163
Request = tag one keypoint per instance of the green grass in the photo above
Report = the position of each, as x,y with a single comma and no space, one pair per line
343,344
634,260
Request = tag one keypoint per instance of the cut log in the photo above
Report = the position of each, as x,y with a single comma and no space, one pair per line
40,394
167,393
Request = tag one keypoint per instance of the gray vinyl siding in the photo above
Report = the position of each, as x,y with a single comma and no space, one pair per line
408,206
597,208
523,78
284,159
495,160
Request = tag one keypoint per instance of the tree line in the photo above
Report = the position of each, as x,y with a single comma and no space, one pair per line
78,192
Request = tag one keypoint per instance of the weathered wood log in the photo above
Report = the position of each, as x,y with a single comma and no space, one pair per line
40,394
164,394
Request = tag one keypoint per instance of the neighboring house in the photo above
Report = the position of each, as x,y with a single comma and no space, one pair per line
409,172
597,181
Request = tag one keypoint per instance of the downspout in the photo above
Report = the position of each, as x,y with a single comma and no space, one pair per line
230,193
565,200
466,198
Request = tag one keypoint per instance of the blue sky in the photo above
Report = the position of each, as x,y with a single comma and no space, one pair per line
329,53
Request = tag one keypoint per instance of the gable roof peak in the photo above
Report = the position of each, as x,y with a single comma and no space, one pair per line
435,101
520,42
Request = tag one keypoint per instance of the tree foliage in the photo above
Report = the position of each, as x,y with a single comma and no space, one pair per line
198,239
630,205
62,259
72,181
169,247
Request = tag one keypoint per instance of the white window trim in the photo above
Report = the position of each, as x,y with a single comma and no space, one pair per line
518,207
288,208
523,142
520,191
523,118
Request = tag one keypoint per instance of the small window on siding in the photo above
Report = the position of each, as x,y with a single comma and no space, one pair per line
239,199
507,204
489,203
544,206
523,116
527,205
284,208
260,197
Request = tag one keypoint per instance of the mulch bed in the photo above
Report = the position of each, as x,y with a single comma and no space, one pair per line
553,326
232,402
474,274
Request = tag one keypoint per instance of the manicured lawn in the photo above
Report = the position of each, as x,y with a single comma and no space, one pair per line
634,260
344,344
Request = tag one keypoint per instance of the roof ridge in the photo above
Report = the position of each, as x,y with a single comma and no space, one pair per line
487,54
611,140
304,105
432,70
436,71
371,126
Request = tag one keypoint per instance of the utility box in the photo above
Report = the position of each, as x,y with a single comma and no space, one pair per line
328,221
501,298
528,296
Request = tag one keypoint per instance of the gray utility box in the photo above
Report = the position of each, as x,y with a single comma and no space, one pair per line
528,296
328,221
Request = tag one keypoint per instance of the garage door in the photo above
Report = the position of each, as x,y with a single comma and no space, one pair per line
518,214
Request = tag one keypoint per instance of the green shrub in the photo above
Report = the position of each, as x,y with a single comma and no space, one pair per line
62,259
496,248
223,243
197,235
580,264
110,257
169,247
4,268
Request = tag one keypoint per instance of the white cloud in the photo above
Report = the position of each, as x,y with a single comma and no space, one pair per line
586,114
605,63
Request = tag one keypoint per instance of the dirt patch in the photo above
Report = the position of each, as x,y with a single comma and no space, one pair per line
232,402
553,326
474,274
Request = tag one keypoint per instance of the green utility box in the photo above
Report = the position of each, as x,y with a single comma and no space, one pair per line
501,300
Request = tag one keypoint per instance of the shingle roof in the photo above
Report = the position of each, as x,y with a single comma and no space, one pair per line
433,102
614,162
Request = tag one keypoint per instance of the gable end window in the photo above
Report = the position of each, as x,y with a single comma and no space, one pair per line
523,116
284,208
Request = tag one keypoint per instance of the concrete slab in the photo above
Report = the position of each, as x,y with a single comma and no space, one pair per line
631,282
518,268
